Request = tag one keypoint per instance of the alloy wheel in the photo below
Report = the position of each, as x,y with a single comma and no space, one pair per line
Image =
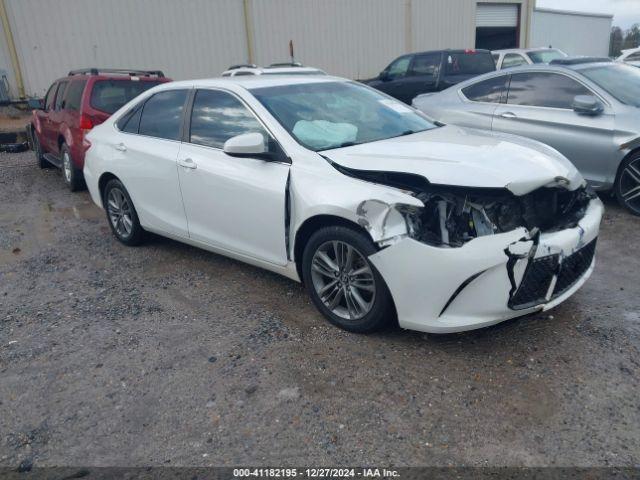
119,212
343,280
630,185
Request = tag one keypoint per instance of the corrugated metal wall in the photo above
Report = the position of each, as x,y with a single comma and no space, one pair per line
573,33
200,38
187,38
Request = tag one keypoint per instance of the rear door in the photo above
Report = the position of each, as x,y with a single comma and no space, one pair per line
539,106
479,102
56,116
145,151
233,203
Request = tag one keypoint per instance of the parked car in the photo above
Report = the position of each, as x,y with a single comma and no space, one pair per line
515,57
75,104
630,56
273,69
376,209
410,75
589,112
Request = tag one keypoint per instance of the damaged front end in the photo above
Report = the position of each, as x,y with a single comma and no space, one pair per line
453,216
471,257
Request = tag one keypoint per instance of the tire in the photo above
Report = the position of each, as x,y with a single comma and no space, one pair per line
121,214
71,175
37,150
627,187
367,310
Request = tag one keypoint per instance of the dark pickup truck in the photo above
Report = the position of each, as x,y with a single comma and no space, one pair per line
410,75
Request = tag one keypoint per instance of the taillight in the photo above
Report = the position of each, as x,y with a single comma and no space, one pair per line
85,122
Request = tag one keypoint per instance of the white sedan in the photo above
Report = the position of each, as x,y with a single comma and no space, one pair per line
381,213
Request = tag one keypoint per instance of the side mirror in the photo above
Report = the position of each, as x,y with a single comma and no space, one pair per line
247,145
587,105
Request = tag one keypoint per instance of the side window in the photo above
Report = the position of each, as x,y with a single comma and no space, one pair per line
544,90
50,97
634,57
162,114
426,65
398,68
60,95
217,116
130,122
73,98
513,60
490,90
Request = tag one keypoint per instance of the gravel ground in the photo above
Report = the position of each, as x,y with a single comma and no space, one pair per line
169,355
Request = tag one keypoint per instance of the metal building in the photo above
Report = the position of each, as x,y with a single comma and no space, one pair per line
576,33
44,39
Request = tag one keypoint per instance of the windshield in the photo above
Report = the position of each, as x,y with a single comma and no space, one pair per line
621,81
326,115
545,56
469,63
109,95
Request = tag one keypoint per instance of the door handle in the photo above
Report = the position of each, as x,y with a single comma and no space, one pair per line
121,147
187,163
508,115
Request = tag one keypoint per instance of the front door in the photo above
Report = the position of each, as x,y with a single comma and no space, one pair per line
539,106
233,203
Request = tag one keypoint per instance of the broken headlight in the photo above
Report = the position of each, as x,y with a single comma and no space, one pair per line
452,216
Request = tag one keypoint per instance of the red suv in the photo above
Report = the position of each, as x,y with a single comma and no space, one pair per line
73,106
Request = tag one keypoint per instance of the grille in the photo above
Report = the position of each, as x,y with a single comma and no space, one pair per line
535,283
537,278
573,267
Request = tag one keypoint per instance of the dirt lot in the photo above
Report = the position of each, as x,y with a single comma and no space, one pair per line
168,355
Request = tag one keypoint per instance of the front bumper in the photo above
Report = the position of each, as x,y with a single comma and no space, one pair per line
443,290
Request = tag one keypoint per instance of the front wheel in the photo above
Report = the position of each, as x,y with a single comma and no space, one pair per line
627,187
342,282
121,214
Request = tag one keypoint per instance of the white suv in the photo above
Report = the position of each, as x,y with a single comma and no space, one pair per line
378,210
514,57
273,69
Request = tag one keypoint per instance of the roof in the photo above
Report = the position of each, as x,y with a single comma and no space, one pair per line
574,12
525,50
579,60
280,70
256,81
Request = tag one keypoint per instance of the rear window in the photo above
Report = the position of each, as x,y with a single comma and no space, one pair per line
469,63
109,95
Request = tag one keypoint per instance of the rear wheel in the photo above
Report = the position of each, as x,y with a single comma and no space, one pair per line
121,214
37,150
72,176
342,282
627,186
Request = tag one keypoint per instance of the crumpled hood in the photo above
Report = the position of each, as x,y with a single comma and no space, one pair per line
452,155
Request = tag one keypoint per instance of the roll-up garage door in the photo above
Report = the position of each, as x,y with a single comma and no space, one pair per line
496,15
497,25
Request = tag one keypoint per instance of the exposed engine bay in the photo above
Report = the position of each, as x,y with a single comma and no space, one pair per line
452,216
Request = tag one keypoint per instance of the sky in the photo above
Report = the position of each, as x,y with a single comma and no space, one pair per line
626,12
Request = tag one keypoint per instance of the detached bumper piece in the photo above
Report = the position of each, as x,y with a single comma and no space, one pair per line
536,282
